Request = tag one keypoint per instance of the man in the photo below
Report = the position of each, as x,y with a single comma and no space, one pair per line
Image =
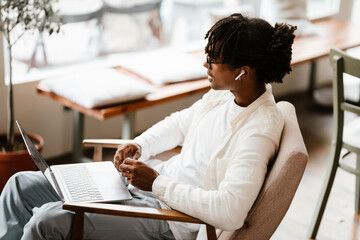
227,138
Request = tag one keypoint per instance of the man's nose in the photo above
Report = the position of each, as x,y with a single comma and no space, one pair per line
206,65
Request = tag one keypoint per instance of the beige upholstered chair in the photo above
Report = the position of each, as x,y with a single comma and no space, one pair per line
265,215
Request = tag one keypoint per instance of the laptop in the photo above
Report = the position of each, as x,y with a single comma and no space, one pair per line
80,182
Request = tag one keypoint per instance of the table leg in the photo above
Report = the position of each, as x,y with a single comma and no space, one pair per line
128,128
78,135
312,82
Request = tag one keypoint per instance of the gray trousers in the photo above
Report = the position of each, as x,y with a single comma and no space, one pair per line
30,209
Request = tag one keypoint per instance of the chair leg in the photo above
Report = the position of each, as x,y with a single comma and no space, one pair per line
78,226
155,25
357,186
211,233
39,44
325,192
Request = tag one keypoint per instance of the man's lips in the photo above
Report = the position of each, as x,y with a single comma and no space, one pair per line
210,77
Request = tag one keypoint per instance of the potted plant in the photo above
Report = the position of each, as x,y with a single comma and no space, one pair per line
16,18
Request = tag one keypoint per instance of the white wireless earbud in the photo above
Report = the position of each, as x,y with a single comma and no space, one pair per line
238,77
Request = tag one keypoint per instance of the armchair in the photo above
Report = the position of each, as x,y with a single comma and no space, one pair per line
271,205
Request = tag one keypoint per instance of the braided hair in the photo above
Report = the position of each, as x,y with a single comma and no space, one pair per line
240,41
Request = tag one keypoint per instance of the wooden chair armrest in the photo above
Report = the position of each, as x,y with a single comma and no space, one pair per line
105,143
99,144
128,211
131,211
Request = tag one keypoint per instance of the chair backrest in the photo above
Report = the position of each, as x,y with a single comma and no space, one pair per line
80,13
138,8
280,184
342,63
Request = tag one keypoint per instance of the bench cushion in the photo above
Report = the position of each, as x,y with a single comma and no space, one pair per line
164,66
97,87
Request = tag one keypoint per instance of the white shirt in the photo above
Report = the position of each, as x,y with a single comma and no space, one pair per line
190,165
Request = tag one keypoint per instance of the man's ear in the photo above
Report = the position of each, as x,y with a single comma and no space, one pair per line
238,77
242,72
248,70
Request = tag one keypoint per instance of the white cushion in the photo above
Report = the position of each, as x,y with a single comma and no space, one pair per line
351,133
351,83
97,87
351,88
288,11
164,66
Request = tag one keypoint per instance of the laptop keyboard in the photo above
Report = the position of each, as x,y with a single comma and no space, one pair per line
80,184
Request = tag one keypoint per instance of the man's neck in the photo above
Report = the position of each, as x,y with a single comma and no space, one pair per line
249,94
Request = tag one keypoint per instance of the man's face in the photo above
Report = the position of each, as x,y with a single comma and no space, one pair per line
220,75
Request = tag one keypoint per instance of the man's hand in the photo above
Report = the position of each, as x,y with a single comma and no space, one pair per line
128,150
138,174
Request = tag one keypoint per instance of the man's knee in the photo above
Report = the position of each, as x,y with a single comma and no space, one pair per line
49,222
32,186
16,182
22,179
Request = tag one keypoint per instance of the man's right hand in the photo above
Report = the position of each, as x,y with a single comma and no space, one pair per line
128,150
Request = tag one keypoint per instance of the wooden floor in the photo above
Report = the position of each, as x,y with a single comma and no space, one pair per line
338,222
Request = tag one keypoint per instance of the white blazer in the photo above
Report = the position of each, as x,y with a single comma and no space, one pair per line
237,167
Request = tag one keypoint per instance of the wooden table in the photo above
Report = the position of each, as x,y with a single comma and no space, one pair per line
332,33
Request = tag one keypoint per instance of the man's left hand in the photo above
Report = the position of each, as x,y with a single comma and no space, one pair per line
138,173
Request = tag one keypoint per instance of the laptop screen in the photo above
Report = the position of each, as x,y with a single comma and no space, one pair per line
35,155
39,160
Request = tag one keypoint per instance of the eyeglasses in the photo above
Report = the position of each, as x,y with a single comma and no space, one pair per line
211,61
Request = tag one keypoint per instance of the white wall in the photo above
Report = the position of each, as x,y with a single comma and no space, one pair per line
298,79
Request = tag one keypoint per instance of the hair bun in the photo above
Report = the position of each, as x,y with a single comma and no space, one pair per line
279,50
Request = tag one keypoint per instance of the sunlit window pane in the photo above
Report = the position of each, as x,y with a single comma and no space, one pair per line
81,41
322,8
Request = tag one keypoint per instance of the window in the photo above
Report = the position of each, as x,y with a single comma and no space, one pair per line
322,8
355,12
84,42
